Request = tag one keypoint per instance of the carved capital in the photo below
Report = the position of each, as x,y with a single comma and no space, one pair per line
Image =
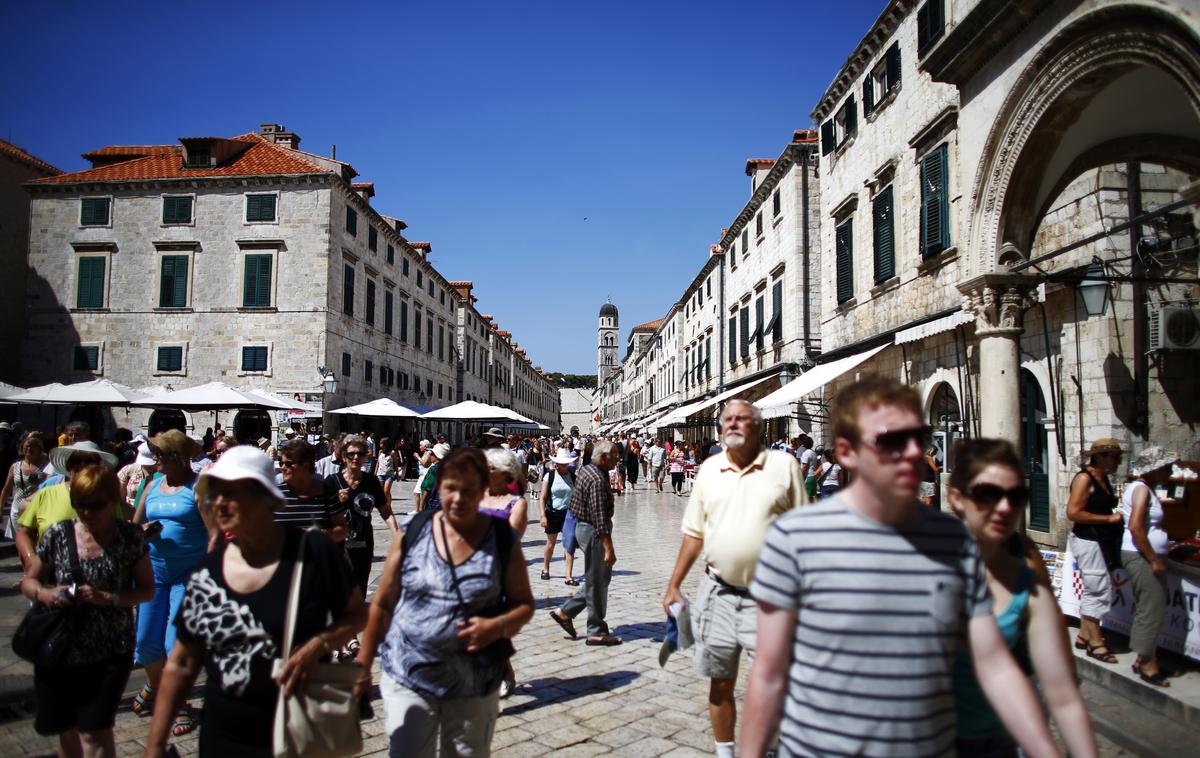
998,301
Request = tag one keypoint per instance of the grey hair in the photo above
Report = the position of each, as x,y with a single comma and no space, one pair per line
353,439
602,448
499,459
754,409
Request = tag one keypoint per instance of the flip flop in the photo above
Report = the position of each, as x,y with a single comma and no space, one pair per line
606,640
566,623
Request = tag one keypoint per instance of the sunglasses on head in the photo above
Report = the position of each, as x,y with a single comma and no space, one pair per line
891,444
990,495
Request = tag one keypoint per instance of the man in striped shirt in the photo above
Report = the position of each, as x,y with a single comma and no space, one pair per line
863,600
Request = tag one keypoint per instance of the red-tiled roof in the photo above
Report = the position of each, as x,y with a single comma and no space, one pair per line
805,135
753,164
649,326
129,151
16,153
503,333
426,246
262,158
368,187
467,283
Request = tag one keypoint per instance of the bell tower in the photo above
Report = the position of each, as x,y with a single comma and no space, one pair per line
608,341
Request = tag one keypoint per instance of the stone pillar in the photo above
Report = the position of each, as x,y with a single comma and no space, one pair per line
998,302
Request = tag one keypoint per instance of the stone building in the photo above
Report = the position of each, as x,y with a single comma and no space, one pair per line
577,410
242,259
16,167
1000,151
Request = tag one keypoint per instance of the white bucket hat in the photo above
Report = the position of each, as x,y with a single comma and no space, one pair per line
60,454
242,462
145,457
441,450
562,456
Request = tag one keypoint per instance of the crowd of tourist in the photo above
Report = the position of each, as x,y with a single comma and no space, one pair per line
831,566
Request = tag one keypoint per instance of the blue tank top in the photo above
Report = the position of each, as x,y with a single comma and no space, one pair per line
976,719
184,538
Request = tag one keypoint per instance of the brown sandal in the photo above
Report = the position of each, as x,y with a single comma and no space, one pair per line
1094,651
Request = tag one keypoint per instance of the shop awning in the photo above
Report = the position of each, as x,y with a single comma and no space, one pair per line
680,415
779,402
937,326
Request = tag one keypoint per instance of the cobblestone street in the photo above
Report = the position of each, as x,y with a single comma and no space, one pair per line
571,700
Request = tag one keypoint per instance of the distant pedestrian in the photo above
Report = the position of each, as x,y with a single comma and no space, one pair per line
592,505
736,497
385,466
633,455
831,474
21,483
809,464
678,467
656,457
886,586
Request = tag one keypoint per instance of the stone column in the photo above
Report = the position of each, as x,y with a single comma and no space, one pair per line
998,302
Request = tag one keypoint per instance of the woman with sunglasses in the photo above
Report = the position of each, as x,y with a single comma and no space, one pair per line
1095,542
360,494
309,501
78,701
988,492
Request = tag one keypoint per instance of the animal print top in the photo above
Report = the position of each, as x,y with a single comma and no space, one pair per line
241,635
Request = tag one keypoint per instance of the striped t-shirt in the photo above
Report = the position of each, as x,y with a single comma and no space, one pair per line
308,511
881,611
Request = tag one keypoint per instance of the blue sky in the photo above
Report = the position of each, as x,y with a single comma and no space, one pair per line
556,153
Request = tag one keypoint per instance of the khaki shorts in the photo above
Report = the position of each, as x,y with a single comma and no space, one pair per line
1096,598
724,623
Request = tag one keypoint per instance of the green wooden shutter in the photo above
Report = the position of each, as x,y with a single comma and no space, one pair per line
91,282
745,335
348,290
851,116
170,358
388,306
93,211
249,281
777,311
87,357
893,65
759,321
177,210
828,140
256,288
868,94
845,260
935,231
885,253
733,339
172,291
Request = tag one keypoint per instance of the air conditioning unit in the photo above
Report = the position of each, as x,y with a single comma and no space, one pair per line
1174,326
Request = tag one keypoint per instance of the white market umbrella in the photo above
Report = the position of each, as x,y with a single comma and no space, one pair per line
94,392
34,394
7,389
292,405
211,397
472,410
384,407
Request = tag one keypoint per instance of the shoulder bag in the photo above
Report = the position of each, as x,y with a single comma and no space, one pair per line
46,633
323,721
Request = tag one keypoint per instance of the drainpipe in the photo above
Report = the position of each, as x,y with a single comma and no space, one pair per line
1141,364
804,248
721,322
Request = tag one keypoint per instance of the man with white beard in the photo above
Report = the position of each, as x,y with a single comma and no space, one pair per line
737,494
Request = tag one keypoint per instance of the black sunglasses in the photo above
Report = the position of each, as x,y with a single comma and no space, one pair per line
990,495
891,444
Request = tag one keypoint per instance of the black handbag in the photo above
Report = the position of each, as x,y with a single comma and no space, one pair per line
45,634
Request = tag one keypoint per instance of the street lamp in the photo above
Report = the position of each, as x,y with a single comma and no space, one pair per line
328,380
1093,288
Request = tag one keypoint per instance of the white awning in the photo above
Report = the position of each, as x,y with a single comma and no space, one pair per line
937,326
680,415
779,402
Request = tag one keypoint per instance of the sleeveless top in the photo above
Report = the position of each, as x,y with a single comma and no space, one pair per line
385,466
501,513
422,650
1102,503
1154,515
184,538
975,717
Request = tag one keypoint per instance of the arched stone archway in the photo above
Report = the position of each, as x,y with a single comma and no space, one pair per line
1119,83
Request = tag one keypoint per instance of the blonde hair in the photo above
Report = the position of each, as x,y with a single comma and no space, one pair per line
95,483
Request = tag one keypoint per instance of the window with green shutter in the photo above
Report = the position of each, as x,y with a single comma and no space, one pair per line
845,261
776,204
256,283
368,369
93,211
254,358
388,307
391,254
370,314
177,209
884,232
733,335
260,207
87,358
935,202
172,288
759,322
403,321
775,326
416,329
351,222
429,335
345,364
170,358
373,239
931,21
90,292
348,289
745,335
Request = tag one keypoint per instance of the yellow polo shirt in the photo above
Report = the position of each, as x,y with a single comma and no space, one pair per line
731,509
52,505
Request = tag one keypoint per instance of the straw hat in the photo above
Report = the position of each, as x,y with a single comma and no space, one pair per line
1102,445
494,432
60,454
242,462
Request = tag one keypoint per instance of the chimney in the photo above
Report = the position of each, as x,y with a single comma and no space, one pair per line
275,133
365,190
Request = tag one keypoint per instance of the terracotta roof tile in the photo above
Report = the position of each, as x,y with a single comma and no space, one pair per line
649,326
755,164
262,158
425,246
16,153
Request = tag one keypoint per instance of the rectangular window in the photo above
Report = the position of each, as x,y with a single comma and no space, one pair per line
708,357
93,211
845,261
198,156
90,291
441,343
882,79
370,314
368,369
420,281
885,251
935,202
391,254
388,307
745,334
745,242
429,387
416,329
429,335
758,224
404,266
351,222
835,131
431,286
776,204
404,321
775,326
759,322
87,358
348,290
708,286
442,296
439,388
170,358
260,207
345,364
256,284
177,209
931,22
172,287
254,358
372,239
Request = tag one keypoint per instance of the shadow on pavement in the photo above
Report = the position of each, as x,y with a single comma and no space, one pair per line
554,689
646,630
